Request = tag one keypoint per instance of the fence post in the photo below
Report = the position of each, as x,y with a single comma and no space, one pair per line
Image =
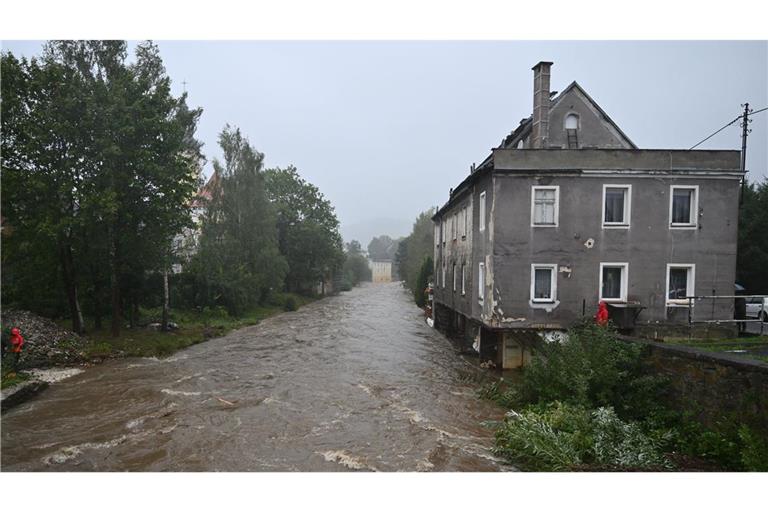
690,319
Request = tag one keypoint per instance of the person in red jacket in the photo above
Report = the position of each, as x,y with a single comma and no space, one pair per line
601,318
17,341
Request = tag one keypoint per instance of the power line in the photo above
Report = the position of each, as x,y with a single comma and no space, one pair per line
726,126
718,131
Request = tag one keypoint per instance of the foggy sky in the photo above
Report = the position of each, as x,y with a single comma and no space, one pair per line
386,128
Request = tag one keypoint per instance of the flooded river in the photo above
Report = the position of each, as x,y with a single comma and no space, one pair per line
352,382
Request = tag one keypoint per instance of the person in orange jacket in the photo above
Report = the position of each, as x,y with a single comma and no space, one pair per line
17,341
601,318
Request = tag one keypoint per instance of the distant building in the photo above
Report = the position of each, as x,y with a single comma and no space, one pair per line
381,271
567,212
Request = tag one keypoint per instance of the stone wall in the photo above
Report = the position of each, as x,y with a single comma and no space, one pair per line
716,387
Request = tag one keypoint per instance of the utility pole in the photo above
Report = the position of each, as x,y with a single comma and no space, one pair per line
745,120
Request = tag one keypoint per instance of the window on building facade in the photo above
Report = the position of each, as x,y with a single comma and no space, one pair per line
463,279
481,220
453,274
544,206
443,272
683,206
613,281
454,225
617,201
572,131
680,283
481,282
464,229
437,235
543,283
442,233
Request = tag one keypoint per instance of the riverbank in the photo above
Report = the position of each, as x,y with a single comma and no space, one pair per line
49,344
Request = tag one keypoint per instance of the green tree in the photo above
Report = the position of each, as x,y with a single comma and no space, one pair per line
753,240
307,229
412,252
239,262
422,280
356,268
101,169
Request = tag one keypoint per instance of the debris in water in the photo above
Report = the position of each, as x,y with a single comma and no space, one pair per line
224,401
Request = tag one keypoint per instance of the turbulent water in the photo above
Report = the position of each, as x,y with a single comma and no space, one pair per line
352,382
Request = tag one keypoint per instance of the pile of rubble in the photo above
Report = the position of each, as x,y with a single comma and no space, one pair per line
45,343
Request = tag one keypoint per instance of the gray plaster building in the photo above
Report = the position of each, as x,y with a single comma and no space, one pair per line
568,212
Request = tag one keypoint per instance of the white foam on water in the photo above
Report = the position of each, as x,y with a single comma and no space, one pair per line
134,423
180,393
70,452
53,375
345,459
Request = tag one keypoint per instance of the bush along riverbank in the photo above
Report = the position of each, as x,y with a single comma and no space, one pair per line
47,344
587,404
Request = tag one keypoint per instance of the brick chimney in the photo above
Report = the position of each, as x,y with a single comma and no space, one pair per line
540,129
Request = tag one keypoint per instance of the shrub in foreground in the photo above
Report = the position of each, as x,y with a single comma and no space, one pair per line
561,437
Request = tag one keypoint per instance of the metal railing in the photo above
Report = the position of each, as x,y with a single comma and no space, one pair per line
691,303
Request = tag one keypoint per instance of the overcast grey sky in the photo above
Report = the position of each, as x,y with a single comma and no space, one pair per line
386,128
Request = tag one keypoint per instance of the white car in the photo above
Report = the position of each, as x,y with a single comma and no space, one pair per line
754,307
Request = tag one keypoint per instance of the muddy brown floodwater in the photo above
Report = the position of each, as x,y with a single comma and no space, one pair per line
352,382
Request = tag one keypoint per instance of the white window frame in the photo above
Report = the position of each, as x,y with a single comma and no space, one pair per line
454,277
556,188
694,224
464,223
624,282
481,282
627,207
553,281
442,232
690,284
481,209
463,279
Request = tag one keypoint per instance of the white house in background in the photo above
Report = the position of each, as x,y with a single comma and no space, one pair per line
381,270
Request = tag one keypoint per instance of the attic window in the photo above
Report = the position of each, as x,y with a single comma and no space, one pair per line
571,130
520,144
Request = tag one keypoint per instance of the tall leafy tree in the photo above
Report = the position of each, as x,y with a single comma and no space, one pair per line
753,239
307,229
413,250
239,262
104,166
356,268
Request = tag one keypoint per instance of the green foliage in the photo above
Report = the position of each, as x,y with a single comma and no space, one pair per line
99,166
356,268
382,248
413,251
561,437
307,229
504,395
594,369
753,241
291,304
754,454
593,372
238,263
422,280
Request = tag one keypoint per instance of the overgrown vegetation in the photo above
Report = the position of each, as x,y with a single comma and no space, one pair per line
356,268
413,258
753,238
11,377
587,403
101,179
